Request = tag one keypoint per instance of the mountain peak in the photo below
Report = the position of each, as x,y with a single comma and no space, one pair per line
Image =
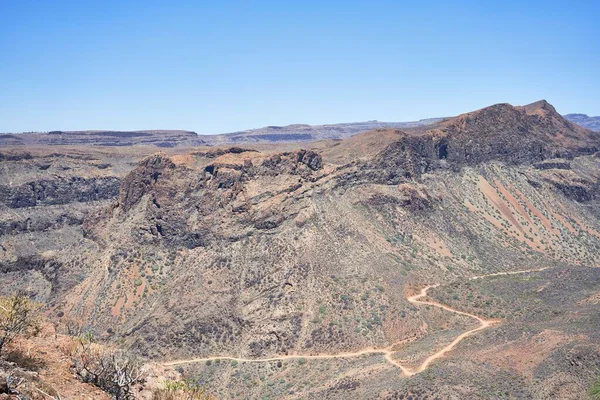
539,107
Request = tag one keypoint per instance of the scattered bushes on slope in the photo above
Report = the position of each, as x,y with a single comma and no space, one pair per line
177,390
114,371
18,316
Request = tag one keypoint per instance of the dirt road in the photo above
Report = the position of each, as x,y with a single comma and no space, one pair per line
387,351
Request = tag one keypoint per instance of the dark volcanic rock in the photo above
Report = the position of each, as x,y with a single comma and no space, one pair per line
47,267
141,179
310,158
513,135
219,152
301,162
15,156
191,208
572,185
59,191
575,190
42,222
553,164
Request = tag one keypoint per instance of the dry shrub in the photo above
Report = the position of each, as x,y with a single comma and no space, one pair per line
26,385
112,370
18,316
178,390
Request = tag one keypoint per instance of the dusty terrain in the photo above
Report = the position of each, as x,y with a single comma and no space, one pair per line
330,269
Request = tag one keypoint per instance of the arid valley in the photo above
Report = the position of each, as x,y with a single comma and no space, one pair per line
451,259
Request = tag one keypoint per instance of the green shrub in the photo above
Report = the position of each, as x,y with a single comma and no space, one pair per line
595,390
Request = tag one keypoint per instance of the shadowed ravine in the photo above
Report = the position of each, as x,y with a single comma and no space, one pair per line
387,351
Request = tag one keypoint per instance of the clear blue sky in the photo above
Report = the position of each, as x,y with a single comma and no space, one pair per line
221,66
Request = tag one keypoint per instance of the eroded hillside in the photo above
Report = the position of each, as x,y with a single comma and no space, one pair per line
265,252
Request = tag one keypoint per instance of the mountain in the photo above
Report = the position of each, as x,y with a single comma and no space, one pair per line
456,259
174,138
592,123
268,134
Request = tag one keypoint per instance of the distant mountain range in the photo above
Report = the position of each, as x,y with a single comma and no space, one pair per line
268,134
299,132
584,120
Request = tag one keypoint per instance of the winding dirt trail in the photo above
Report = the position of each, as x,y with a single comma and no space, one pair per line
386,351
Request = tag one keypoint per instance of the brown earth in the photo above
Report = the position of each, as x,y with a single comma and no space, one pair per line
286,252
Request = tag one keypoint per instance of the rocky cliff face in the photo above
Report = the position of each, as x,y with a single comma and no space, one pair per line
183,206
59,191
46,194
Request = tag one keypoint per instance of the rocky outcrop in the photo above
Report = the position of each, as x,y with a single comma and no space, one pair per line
514,135
49,268
572,185
310,159
301,162
413,197
553,164
221,151
59,191
38,221
190,208
142,179
406,159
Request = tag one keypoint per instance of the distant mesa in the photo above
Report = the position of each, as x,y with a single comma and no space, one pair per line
586,121
157,138
277,133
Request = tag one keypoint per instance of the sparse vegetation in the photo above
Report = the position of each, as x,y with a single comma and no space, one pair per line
18,316
181,390
112,370
226,271
595,390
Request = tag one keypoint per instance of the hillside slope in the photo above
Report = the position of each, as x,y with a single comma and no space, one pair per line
263,253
